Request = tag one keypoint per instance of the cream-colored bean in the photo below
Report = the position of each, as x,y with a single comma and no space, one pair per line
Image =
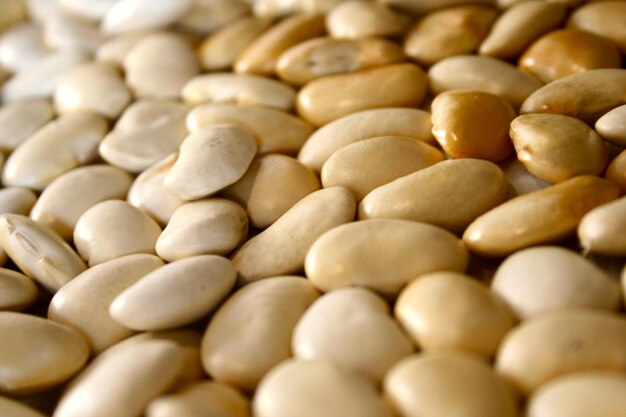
568,51
358,19
612,126
147,132
152,73
482,73
448,32
41,79
18,291
293,233
211,226
148,192
520,25
83,303
559,343
473,124
244,89
73,140
603,229
208,16
70,195
329,98
122,381
298,388
420,7
445,384
604,18
540,217
279,8
334,327
536,280
133,15
16,200
220,50
66,31
94,10
13,408
210,160
112,229
39,252
92,87
275,130
114,50
473,320
38,9
363,166
556,148
38,353
616,171
251,332
260,56
586,96
381,254
449,194
21,47
412,123
599,394
201,399
520,180
19,120
271,186
176,294
324,56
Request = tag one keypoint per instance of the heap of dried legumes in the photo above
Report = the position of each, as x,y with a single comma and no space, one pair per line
312,208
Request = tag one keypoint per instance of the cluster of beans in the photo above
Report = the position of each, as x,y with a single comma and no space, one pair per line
312,208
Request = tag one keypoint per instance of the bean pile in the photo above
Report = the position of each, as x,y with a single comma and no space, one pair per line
320,208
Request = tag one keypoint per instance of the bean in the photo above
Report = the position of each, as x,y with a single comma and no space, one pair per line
612,126
616,171
207,16
603,19
602,229
62,30
21,119
132,15
356,19
18,291
21,47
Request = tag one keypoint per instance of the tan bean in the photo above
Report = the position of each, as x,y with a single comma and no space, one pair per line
560,343
365,165
616,171
208,16
220,50
380,254
539,217
362,125
210,160
19,120
442,384
449,194
261,55
201,399
11,12
604,18
13,408
38,354
324,56
251,333
66,31
357,19
147,132
148,192
527,280
482,73
133,15
569,51
18,291
176,294
114,50
586,96
244,89
211,226
612,126
271,186
419,7
39,252
112,229
334,96
16,200
603,229
293,234
83,303
21,47
297,388
275,130
474,321
473,124
70,195
448,32
154,74
334,327
520,25
123,380
73,140
556,148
